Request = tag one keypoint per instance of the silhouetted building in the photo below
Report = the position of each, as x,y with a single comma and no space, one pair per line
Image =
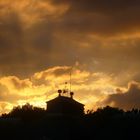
65,105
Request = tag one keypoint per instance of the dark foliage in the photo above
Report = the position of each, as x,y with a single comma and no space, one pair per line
26,112
32,123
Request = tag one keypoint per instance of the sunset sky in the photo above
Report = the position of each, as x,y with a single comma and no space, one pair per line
41,41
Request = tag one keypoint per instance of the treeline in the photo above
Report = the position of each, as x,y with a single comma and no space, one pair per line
25,112
32,123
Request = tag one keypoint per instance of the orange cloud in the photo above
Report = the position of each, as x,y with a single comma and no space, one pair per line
48,34
42,86
31,11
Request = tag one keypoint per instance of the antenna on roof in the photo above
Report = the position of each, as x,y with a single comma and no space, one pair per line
71,93
65,90
70,78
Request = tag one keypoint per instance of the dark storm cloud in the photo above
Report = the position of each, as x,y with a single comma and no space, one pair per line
35,45
127,100
19,44
11,42
32,39
10,32
101,17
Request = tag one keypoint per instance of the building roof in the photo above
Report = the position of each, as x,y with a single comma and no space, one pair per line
63,99
67,100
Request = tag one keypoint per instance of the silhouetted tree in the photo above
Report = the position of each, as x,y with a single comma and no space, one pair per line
105,123
27,111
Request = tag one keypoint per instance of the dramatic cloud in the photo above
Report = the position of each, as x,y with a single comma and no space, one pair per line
48,33
89,87
104,17
40,40
128,99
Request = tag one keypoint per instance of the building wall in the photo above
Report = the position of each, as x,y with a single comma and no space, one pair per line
65,108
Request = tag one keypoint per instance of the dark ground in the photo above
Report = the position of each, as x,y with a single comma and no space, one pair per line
29,123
